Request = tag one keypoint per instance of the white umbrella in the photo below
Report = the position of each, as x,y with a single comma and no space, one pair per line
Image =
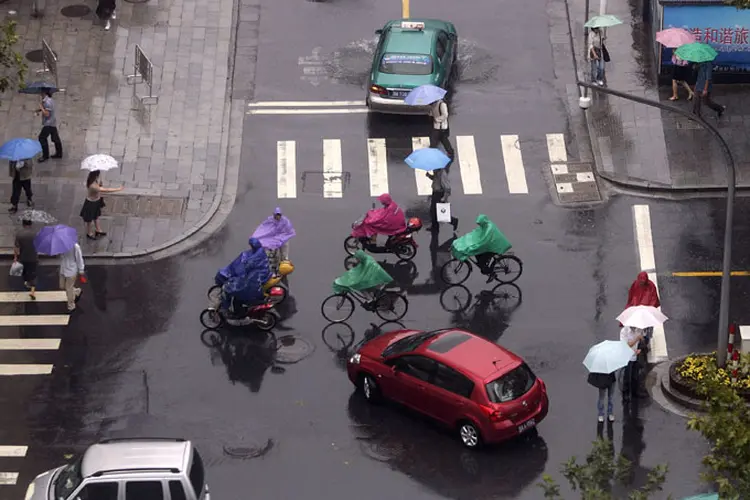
642,317
608,356
98,162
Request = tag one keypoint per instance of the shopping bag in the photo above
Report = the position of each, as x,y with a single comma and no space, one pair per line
443,212
16,269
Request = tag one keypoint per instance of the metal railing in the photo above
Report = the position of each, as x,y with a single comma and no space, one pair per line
143,73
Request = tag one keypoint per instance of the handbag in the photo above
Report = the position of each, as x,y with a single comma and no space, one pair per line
605,53
16,269
443,212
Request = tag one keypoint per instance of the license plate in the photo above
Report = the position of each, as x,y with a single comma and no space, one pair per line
529,424
400,93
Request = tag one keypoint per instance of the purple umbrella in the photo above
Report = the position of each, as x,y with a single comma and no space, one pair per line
55,240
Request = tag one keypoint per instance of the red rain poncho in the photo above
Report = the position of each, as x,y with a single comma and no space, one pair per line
643,292
387,220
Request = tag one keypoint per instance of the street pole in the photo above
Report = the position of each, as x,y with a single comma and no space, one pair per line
726,265
602,7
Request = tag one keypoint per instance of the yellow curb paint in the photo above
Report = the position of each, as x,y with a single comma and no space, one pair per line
707,274
405,9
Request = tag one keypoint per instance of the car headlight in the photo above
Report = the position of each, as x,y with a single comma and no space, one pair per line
29,492
354,360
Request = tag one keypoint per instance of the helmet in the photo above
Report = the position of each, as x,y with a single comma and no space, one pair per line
414,223
286,267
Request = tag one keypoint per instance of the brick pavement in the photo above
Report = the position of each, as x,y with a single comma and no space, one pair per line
645,147
179,158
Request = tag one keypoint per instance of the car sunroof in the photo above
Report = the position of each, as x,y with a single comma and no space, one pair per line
448,341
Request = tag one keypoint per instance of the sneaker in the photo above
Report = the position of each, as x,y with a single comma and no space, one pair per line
114,14
600,82
108,25
30,203
13,209
601,418
611,418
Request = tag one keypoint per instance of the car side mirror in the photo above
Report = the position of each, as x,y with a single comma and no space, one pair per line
378,32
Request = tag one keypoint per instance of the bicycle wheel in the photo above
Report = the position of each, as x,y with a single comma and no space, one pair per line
266,322
350,262
506,296
507,268
337,308
214,294
338,336
391,306
352,244
211,319
405,251
455,298
455,272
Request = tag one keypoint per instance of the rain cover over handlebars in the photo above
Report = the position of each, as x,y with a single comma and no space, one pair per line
367,274
486,238
245,276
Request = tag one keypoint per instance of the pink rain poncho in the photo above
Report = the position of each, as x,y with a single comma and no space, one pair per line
387,220
275,231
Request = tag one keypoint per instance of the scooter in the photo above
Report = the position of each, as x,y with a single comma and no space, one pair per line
402,244
261,315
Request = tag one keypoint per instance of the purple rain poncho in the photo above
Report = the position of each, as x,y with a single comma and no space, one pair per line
274,233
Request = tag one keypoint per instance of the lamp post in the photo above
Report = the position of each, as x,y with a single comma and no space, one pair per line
723,332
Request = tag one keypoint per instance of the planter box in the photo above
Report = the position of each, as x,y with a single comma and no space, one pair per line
686,387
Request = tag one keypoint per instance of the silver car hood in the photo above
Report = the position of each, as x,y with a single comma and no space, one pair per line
39,489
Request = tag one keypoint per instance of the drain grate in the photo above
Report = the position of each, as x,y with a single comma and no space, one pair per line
145,206
78,10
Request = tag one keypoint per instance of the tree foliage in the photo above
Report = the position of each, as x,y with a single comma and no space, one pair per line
12,66
595,478
740,4
726,426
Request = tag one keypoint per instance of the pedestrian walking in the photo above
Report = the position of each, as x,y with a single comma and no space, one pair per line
106,10
440,129
630,376
71,266
703,87
643,292
92,207
441,190
605,382
598,55
680,77
49,127
25,252
20,171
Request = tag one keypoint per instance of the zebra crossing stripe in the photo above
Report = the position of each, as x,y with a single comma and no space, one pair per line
424,185
286,167
514,171
13,451
25,369
12,297
29,345
35,320
469,165
556,149
8,478
378,165
332,169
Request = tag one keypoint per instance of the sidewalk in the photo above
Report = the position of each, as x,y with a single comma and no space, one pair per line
179,158
643,147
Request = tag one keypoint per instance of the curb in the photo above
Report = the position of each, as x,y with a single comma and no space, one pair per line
662,394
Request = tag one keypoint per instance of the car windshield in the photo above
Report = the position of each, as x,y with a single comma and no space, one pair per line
512,385
197,473
407,344
406,64
68,480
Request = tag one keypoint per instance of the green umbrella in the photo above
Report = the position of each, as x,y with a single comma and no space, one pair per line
696,52
603,21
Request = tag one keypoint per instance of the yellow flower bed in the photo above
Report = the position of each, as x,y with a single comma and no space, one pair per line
695,367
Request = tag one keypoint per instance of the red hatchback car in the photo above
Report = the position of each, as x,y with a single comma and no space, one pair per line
484,392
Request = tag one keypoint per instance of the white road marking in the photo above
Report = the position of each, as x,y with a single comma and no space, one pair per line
469,165
514,171
585,177
58,296
564,187
8,478
424,185
29,344
21,369
320,111
35,320
13,451
378,165
302,104
559,168
556,148
332,169
645,241
286,166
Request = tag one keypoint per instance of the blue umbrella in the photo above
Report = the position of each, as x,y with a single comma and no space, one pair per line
424,95
20,149
38,88
54,240
608,356
428,159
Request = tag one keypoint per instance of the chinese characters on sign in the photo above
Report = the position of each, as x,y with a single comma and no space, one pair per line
722,36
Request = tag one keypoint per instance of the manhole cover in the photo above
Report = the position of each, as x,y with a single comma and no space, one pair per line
292,349
35,56
245,452
79,10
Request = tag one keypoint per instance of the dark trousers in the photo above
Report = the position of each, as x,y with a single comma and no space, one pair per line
47,132
17,185
438,136
700,99
631,381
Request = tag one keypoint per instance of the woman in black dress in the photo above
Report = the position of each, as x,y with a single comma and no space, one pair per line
105,10
682,73
92,207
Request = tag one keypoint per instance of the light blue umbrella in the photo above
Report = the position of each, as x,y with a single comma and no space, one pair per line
706,496
424,95
20,149
608,356
428,159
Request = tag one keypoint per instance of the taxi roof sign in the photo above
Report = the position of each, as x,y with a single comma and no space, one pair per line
412,25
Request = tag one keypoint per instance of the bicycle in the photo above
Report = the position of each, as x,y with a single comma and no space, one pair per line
384,303
504,268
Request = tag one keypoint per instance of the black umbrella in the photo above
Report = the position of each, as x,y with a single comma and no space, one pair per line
37,88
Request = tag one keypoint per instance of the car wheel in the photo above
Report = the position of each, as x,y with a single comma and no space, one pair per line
370,389
469,435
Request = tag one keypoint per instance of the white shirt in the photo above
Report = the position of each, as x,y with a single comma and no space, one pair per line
71,262
628,335
439,114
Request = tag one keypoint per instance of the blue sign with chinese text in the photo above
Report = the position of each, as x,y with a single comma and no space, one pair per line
726,29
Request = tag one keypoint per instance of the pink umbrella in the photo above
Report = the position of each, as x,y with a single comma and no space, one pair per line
675,37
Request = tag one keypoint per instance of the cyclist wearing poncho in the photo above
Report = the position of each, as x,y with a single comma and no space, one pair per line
365,275
483,242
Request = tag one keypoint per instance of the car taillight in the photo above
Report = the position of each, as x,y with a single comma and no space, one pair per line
377,89
493,414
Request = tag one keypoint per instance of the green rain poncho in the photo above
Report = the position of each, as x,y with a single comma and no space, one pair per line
486,238
366,274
